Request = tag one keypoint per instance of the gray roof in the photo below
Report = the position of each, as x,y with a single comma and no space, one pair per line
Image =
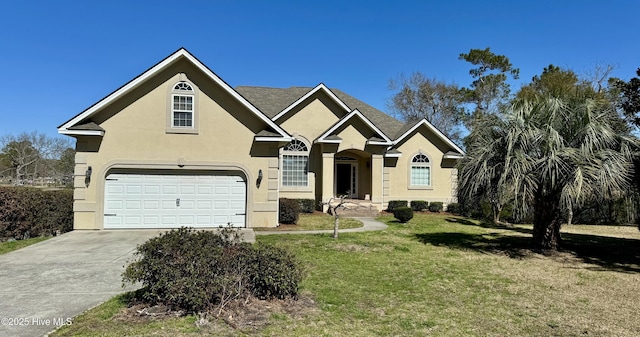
272,101
405,128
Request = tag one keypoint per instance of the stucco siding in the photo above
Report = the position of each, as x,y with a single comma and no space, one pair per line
136,138
442,171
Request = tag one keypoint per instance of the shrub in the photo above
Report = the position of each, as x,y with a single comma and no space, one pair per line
393,204
403,214
435,206
274,272
419,205
289,211
197,271
454,208
307,205
29,212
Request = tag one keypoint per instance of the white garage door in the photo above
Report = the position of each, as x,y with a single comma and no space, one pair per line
172,201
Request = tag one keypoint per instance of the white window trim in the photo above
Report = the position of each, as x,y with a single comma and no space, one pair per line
410,167
170,127
283,152
174,111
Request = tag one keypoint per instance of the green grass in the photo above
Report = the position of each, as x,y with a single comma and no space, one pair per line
315,221
6,247
440,275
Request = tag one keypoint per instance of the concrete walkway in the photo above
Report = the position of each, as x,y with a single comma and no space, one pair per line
369,224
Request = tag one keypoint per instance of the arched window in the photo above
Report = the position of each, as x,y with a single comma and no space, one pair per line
295,160
182,105
420,171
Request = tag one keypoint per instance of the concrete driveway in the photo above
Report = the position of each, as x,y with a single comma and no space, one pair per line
47,284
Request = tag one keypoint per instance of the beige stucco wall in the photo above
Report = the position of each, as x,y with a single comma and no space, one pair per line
136,137
443,171
308,121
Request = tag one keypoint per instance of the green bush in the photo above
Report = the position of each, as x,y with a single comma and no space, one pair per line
197,271
403,214
419,205
30,212
289,211
307,205
454,208
274,272
436,206
393,204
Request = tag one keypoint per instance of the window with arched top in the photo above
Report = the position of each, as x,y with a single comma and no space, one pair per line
182,106
420,171
295,161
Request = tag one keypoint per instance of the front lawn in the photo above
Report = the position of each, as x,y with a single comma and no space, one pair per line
6,247
439,275
315,221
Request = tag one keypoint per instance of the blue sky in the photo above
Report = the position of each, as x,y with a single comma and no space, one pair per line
59,57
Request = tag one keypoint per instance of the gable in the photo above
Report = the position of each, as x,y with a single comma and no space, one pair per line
160,73
365,127
430,133
423,138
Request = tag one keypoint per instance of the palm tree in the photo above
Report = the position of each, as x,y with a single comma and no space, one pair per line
550,152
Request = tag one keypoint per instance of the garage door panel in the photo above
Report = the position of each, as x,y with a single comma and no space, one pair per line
204,205
152,189
152,205
187,190
150,200
205,190
151,220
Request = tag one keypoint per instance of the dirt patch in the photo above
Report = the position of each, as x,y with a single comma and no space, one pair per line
247,315
255,314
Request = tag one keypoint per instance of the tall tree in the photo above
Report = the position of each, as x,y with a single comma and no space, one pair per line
489,91
30,154
65,166
438,102
560,148
628,97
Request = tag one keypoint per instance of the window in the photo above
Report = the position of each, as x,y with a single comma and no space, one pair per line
295,160
182,105
420,171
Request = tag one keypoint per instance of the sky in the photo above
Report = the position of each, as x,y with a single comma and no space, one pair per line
57,58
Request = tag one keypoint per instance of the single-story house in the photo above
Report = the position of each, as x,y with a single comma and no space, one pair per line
178,146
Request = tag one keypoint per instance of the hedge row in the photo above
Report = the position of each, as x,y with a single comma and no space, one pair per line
30,212
421,205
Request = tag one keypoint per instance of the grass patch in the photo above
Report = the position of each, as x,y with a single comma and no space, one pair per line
440,275
315,221
6,247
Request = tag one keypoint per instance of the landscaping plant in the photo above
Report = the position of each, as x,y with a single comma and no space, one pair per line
403,214
198,271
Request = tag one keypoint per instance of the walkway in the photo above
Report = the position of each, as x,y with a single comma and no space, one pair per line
369,224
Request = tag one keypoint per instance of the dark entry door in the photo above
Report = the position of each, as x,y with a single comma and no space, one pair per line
343,179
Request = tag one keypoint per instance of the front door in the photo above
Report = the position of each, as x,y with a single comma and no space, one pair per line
346,179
